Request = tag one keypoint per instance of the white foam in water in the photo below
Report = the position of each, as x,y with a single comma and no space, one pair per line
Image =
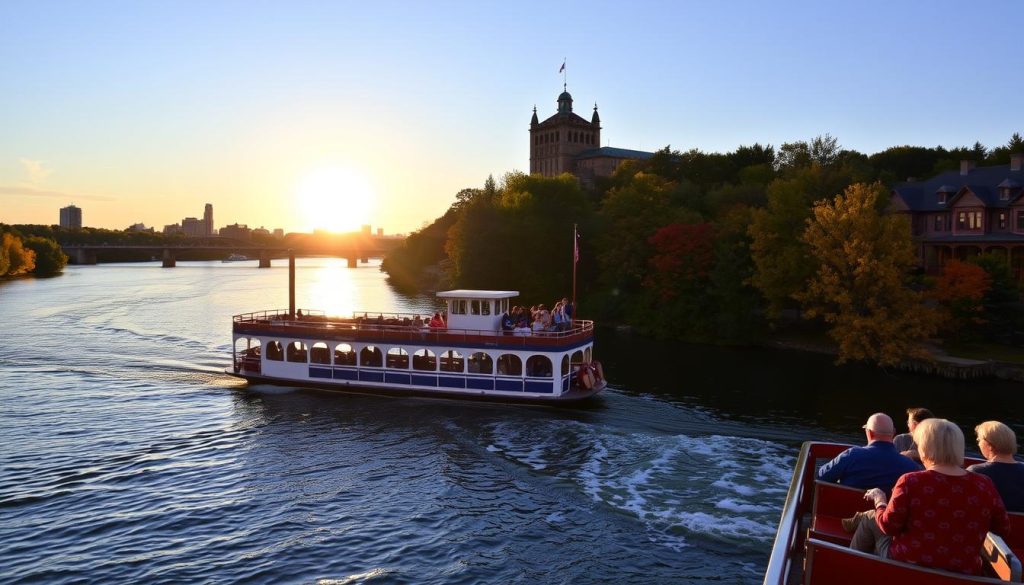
719,487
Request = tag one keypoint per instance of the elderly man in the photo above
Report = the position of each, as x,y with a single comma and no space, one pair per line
878,465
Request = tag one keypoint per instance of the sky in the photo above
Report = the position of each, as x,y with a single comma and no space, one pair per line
298,115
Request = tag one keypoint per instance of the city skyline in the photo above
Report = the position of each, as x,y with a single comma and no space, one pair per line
149,111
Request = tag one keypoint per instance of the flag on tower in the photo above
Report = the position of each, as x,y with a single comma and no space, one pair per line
562,68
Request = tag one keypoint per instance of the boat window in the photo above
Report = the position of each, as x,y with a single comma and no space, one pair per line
587,355
425,360
474,307
565,365
344,355
485,307
275,351
481,363
320,354
297,352
247,348
398,358
509,364
577,358
370,357
458,307
452,361
538,366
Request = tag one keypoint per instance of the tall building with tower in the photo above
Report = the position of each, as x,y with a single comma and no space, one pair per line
208,219
71,217
567,143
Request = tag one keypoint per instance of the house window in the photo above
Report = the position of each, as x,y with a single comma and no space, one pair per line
1002,220
942,198
974,220
1020,221
938,223
961,220
1004,194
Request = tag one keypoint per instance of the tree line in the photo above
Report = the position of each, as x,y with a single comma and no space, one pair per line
726,247
29,254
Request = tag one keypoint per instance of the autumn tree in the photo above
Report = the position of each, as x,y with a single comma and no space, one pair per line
960,290
859,286
15,258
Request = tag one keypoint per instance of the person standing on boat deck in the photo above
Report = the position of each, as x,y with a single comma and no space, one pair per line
998,444
436,322
938,517
506,322
905,442
878,465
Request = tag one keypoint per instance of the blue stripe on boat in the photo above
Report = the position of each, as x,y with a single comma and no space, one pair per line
345,374
539,387
420,380
319,372
508,385
391,378
480,383
450,382
365,376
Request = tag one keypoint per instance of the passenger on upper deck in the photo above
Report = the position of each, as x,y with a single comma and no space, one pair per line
876,465
938,517
998,444
436,322
507,324
905,442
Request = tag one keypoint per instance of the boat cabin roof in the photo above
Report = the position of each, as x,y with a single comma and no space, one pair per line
477,294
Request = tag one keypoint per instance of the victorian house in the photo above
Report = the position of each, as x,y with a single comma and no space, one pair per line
958,214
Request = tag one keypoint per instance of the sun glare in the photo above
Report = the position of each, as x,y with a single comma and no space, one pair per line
335,199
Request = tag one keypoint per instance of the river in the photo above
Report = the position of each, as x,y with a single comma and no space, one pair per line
129,456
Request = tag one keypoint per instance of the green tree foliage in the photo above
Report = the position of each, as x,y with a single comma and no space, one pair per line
863,259
1002,303
50,259
519,238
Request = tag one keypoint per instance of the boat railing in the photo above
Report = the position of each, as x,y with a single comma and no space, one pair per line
401,326
799,498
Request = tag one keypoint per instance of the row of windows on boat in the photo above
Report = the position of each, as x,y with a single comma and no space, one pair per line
480,362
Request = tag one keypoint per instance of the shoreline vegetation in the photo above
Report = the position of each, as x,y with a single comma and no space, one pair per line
29,254
758,246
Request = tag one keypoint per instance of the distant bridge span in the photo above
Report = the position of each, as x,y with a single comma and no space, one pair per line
371,248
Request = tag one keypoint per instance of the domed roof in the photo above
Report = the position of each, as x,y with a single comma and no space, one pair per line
565,96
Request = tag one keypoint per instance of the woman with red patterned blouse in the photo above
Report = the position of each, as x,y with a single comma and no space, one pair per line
937,517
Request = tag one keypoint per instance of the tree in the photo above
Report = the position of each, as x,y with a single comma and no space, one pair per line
859,286
683,257
960,290
50,259
14,256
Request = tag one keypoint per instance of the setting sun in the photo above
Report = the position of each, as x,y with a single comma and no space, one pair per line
335,199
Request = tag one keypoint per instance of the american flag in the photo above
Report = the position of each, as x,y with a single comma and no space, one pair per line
562,68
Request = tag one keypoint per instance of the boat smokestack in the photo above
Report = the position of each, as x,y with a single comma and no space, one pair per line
291,283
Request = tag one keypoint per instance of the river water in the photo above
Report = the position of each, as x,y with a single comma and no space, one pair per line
128,455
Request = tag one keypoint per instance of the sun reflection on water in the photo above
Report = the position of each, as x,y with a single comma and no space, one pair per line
330,287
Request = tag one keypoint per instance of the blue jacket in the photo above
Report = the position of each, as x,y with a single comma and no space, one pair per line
878,465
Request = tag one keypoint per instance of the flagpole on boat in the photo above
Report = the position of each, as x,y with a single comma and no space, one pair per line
291,283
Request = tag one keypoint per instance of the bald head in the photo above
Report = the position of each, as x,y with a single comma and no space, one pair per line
880,427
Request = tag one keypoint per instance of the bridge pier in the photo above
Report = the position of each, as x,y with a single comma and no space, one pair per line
264,260
353,262
169,260
85,257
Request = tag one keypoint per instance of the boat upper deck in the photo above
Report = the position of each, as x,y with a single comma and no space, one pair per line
402,327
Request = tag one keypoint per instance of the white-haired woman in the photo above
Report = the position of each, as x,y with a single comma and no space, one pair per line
998,444
937,517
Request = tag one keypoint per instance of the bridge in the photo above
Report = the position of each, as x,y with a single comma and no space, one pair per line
352,250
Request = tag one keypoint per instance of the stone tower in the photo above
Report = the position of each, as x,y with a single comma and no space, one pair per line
555,142
208,219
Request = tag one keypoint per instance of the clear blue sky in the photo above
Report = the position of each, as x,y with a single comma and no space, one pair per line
143,111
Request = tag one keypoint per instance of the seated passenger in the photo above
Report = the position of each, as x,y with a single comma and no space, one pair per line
538,323
998,444
417,322
436,322
878,465
938,517
506,322
905,442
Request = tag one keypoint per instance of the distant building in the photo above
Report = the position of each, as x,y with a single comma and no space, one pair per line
235,230
208,219
71,217
174,228
261,231
958,214
380,232
366,229
278,233
139,227
194,227
567,143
